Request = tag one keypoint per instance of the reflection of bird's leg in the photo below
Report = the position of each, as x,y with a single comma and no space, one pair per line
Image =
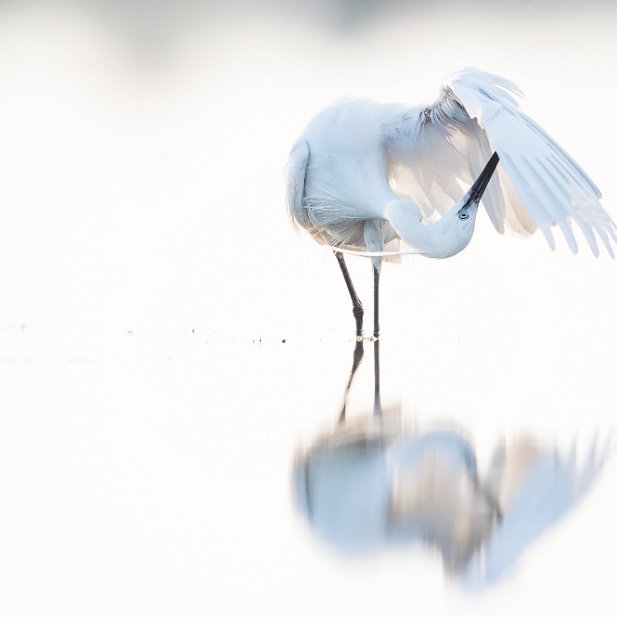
358,311
358,354
377,399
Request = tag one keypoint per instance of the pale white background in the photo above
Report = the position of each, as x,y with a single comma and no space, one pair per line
149,412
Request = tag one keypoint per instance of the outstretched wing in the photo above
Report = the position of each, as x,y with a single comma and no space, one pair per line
538,184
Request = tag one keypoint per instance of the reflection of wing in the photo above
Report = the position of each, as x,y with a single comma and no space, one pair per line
550,488
296,173
538,185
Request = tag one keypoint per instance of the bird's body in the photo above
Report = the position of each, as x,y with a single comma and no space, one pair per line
365,175
345,183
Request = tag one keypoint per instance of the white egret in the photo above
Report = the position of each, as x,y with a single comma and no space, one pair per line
365,176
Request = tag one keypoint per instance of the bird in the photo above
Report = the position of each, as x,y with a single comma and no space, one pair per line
386,179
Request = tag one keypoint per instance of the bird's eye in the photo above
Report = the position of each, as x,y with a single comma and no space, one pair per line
463,215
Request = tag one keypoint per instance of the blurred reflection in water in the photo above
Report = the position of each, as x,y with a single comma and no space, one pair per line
370,482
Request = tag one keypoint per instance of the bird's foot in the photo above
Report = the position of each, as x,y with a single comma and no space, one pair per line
367,339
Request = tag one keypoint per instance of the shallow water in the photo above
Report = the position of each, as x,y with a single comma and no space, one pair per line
161,482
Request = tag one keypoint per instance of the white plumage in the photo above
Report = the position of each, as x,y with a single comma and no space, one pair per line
365,175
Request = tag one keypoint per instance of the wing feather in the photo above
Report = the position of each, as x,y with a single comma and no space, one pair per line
424,163
539,184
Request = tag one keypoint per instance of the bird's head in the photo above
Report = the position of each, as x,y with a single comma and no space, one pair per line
442,238
450,234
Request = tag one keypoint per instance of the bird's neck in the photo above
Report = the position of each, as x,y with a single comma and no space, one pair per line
441,239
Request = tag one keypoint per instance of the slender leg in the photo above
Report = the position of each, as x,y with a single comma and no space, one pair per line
358,354
376,301
358,311
374,241
377,399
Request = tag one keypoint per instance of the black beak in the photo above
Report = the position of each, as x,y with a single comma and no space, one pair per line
474,195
